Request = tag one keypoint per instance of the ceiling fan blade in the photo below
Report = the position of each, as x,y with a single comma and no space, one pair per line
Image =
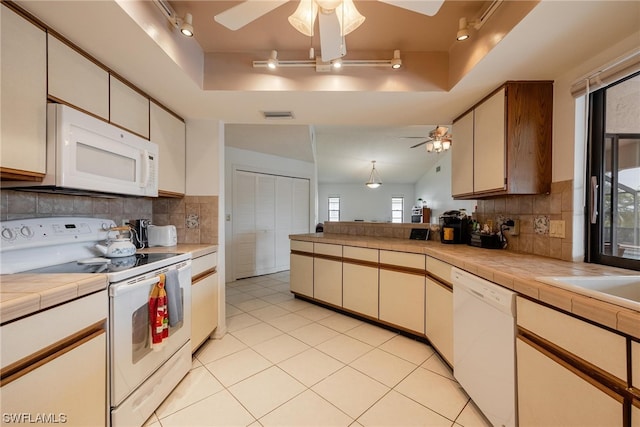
424,7
238,16
332,44
420,143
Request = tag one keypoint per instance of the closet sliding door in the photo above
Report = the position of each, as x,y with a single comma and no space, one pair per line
267,209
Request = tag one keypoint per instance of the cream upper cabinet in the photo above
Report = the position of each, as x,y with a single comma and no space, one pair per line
23,76
503,144
76,80
169,133
489,147
128,108
462,155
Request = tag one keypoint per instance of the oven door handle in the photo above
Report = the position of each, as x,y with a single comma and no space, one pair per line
116,290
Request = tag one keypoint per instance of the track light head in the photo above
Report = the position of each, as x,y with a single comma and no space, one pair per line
186,28
396,62
272,62
463,30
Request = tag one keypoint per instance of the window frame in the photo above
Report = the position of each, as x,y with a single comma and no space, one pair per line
401,198
329,210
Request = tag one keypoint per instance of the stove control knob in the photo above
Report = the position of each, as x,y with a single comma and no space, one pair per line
8,234
27,232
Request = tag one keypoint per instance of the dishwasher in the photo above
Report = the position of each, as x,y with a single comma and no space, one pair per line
484,345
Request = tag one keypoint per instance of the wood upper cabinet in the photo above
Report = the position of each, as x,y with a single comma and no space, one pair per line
509,142
23,76
128,108
169,132
76,80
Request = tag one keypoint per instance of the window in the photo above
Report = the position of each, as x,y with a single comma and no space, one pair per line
334,208
613,223
397,209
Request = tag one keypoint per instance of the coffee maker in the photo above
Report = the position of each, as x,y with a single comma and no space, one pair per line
139,231
454,227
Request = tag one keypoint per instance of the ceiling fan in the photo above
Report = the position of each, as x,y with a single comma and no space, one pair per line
439,140
336,18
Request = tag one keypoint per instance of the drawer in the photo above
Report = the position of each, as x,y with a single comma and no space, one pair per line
201,264
327,249
440,269
362,254
297,245
403,259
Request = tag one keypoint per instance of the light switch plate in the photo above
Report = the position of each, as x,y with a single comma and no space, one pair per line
556,228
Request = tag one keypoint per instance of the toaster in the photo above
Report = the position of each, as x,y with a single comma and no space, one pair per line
162,235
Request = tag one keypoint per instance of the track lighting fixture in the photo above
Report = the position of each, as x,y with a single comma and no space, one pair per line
273,62
336,63
186,28
463,30
396,62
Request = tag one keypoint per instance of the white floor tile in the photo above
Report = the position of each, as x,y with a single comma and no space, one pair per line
395,410
269,312
216,349
295,305
240,321
311,366
237,366
198,384
232,310
372,335
434,391
409,349
153,421
264,392
262,292
296,413
315,313
289,322
278,297
280,348
383,367
313,334
344,348
437,365
472,417
238,298
351,391
252,304
340,322
255,334
221,409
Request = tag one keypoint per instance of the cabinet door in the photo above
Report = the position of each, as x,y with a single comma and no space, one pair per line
128,108
301,274
402,299
439,318
169,133
360,282
70,388
549,394
489,150
23,106
462,156
204,309
327,273
76,80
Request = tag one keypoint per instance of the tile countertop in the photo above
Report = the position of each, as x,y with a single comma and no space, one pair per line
512,270
24,294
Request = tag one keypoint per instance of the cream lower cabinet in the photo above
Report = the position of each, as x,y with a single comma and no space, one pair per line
301,273
360,280
204,298
439,318
402,290
327,273
555,355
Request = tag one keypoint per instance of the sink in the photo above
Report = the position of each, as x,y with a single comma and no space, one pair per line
620,290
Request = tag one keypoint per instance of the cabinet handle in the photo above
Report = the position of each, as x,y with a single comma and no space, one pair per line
594,199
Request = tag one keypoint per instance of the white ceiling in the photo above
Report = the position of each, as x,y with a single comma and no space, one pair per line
351,127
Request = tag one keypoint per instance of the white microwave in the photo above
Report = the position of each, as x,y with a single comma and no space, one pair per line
86,155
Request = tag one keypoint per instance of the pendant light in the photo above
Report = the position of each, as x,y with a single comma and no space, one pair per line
374,178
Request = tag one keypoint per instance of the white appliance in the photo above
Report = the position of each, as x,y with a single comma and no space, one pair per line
140,377
162,235
86,155
484,358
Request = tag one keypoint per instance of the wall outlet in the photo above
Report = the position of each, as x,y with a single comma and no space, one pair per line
515,229
556,228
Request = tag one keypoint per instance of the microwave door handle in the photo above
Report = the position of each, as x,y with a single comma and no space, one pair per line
146,169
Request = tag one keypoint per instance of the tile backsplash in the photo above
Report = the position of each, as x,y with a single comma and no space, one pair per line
195,217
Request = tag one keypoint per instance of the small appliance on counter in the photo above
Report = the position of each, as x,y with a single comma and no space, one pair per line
487,241
416,214
454,227
162,235
139,230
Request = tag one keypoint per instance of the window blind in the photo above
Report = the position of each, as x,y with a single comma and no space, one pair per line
617,69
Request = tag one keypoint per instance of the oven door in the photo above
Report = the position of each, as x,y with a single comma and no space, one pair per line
132,358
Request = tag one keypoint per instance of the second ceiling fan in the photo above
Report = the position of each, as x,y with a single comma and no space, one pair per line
336,18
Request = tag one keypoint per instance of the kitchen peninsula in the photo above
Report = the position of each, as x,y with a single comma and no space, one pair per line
589,346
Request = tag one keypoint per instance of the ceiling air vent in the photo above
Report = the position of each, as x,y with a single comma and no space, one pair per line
277,115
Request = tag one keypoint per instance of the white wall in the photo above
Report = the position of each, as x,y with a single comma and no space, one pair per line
235,158
435,188
359,202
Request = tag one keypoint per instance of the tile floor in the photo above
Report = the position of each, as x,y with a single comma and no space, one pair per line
286,362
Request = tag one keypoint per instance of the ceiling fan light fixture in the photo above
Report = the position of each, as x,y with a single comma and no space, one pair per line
348,17
304,18
374,179
429,146
446,144
272,62
328,5
463,30
396,62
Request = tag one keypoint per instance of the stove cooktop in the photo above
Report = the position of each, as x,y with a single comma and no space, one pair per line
104,265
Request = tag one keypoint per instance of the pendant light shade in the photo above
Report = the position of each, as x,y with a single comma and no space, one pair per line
349,17
304,18
374,178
